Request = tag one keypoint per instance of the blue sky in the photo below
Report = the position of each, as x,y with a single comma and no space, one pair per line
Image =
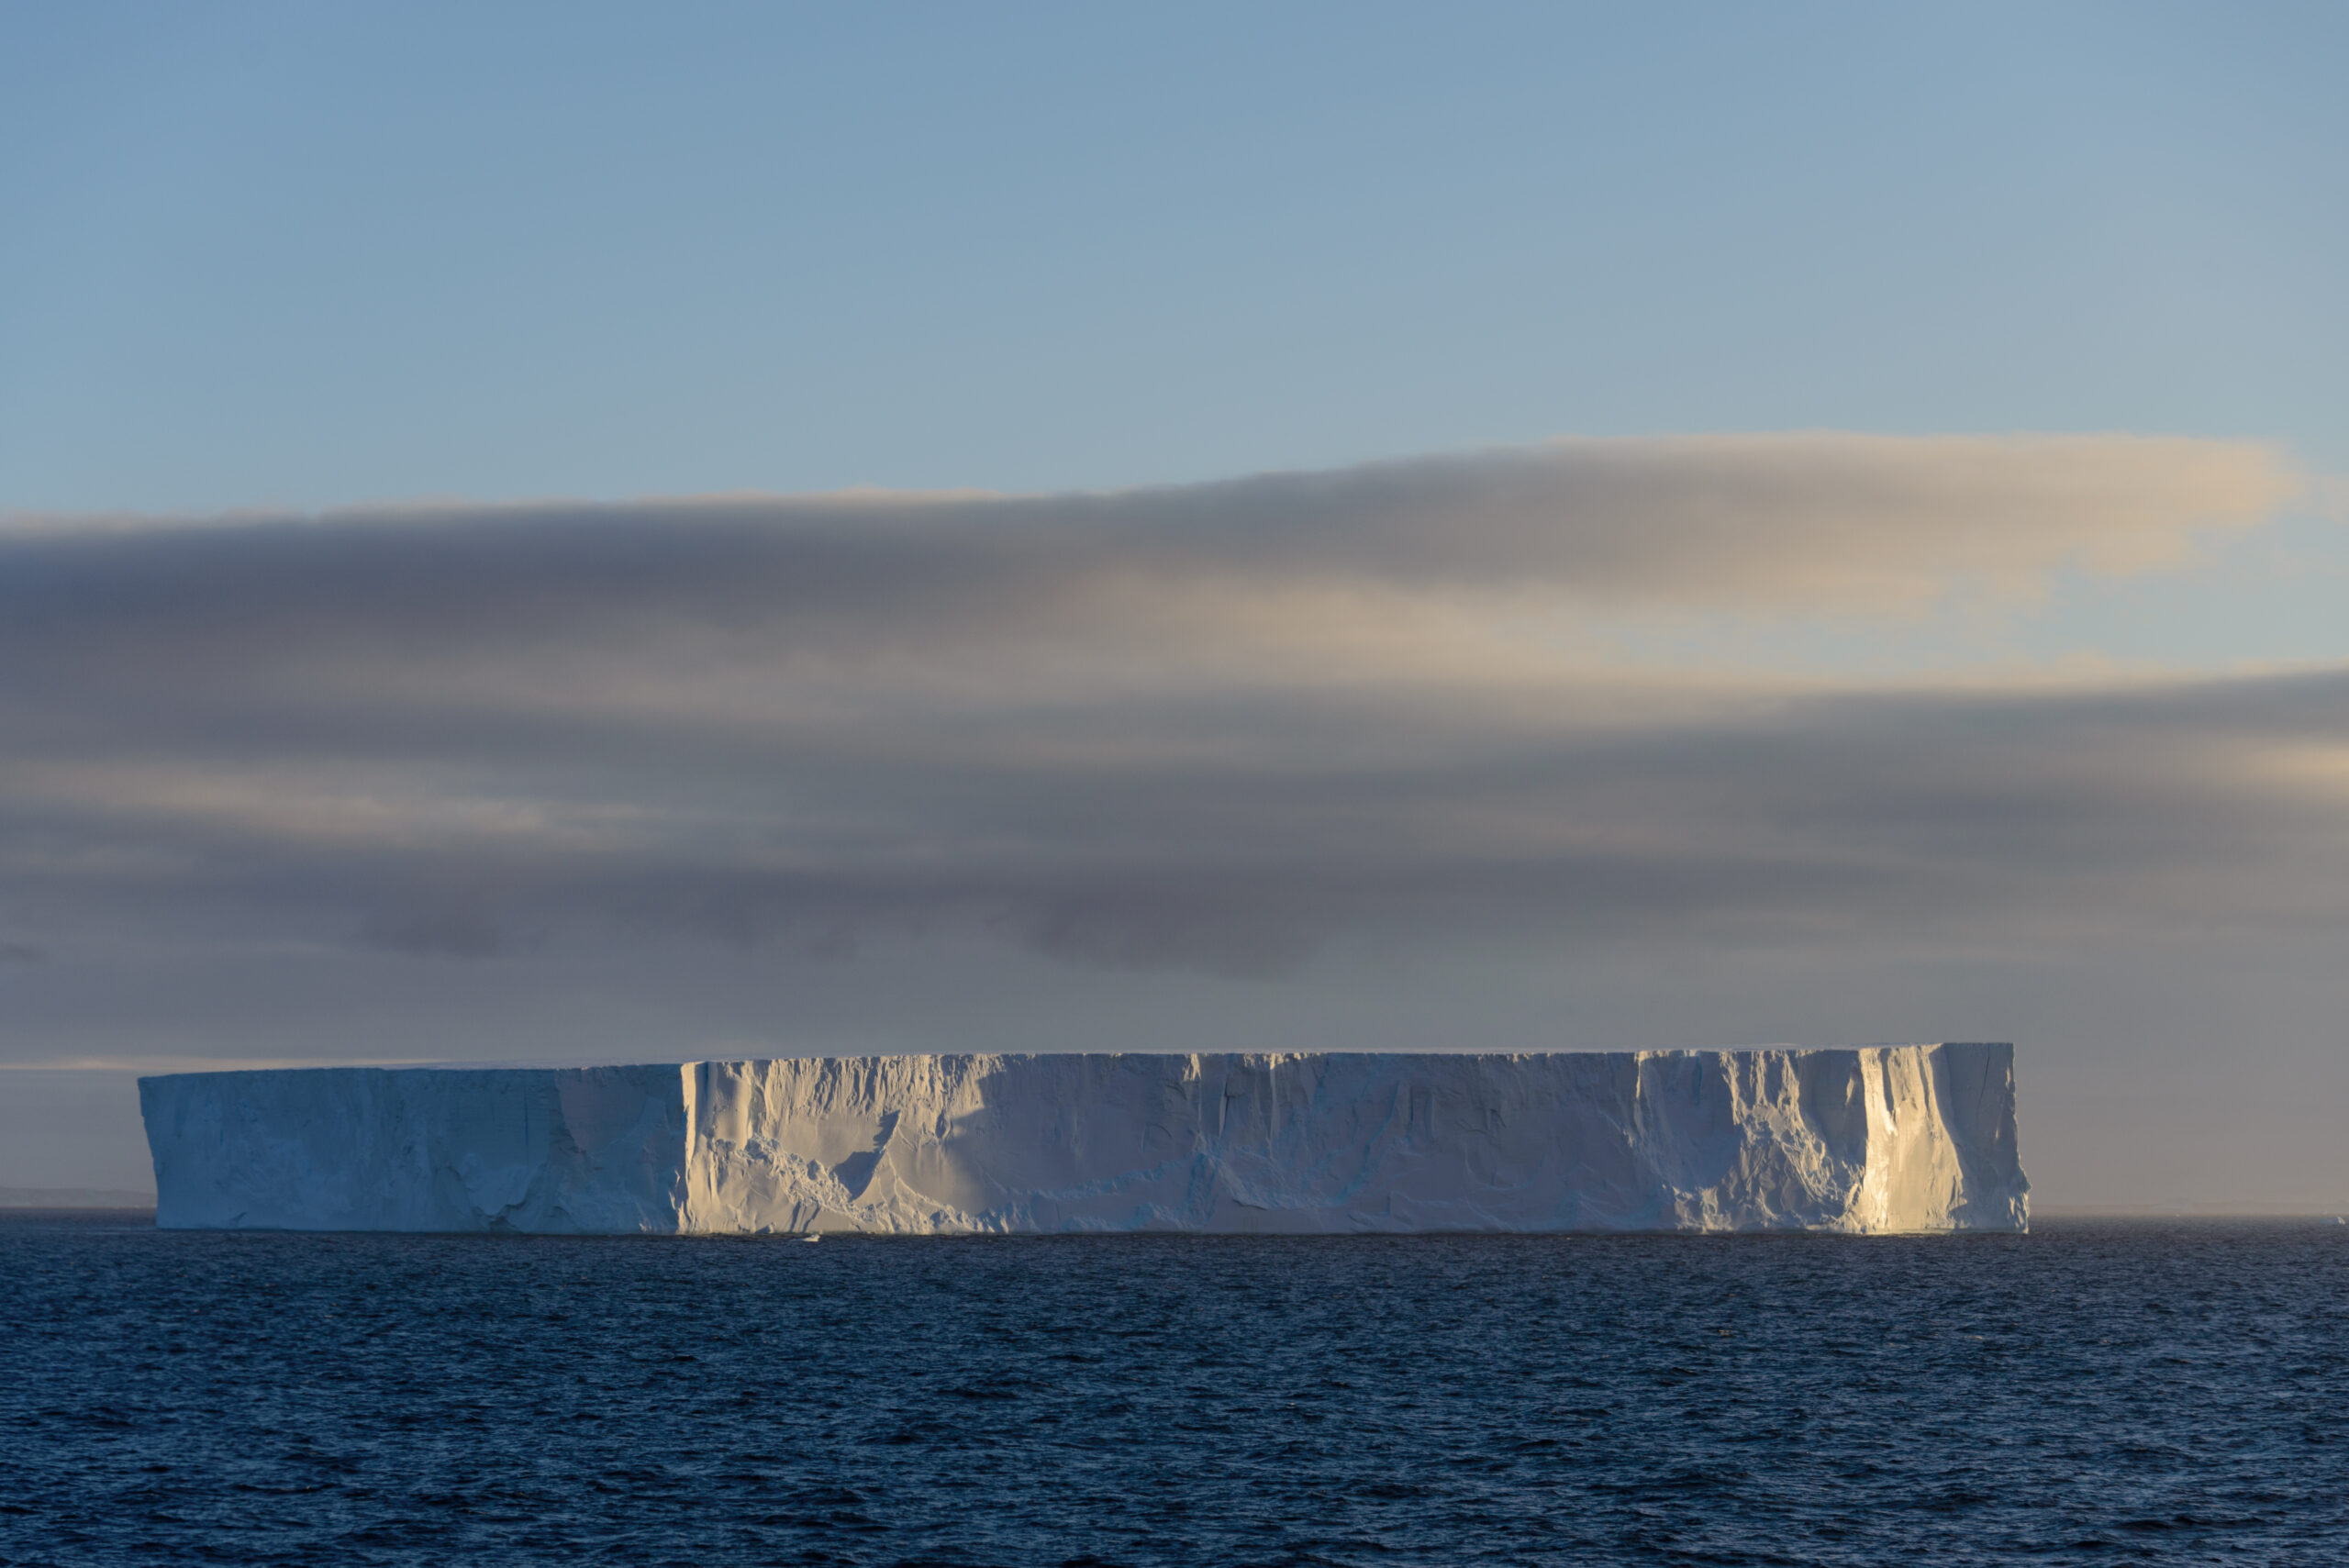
1509,719
306,255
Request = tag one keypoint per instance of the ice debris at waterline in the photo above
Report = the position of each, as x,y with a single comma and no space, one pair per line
1881,1138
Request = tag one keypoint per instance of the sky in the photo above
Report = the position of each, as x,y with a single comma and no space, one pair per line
601,533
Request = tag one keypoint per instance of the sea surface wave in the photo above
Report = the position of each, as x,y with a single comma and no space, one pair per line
2093,1392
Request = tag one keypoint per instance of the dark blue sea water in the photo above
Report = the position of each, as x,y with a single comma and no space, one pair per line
2091,1393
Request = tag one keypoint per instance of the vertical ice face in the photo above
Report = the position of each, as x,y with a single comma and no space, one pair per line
1881,1138
591,1148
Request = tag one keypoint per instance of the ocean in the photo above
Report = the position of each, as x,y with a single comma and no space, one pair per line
2093,1392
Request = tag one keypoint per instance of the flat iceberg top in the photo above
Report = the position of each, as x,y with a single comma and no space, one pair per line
1864,1139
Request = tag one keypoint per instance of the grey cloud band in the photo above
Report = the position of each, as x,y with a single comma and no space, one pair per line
1208,725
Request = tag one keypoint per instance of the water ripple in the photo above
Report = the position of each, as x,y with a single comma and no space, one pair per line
2092,1393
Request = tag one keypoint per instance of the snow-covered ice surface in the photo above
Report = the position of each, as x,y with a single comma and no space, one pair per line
1870,1139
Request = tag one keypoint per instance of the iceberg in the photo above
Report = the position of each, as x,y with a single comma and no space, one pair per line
1872,1139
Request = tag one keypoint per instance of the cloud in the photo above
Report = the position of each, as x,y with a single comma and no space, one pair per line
2038,815
1745,523
1206,727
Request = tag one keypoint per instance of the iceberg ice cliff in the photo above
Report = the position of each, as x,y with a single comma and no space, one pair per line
1879,1139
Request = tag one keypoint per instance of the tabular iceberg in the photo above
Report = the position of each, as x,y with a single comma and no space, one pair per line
1878,1138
